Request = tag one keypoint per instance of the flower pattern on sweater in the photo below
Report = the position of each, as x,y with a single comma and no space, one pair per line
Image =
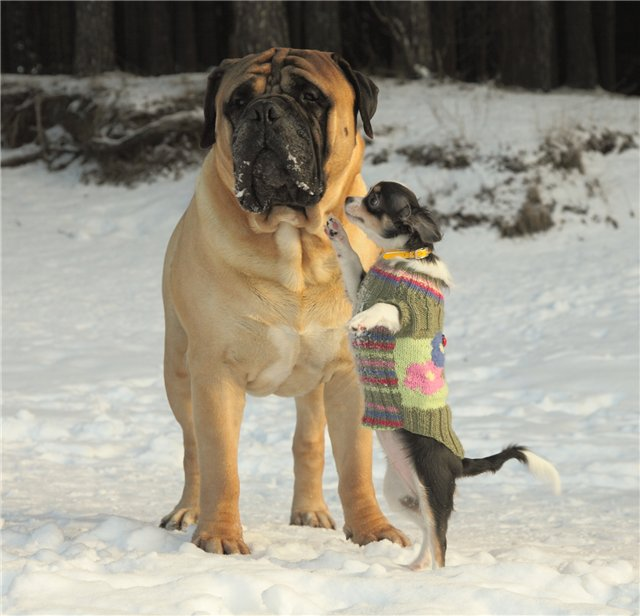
426,378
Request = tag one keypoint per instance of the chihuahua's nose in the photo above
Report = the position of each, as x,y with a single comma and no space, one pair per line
350,200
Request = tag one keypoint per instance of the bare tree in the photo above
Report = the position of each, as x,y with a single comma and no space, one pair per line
322,25
18,47
409,26
185,37
445,39
474,31
258,25
212,25
604,18
129,21
533,44
528,55
94,38
417,19
158,37
580,66
545,52
54,32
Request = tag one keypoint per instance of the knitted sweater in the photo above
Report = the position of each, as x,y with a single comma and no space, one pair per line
403,374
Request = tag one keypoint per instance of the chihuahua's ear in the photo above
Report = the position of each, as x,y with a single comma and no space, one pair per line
422,224
366,93
208,137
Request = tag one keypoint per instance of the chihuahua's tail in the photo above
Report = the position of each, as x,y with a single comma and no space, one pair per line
539,467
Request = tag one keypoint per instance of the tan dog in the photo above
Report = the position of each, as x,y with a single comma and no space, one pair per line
254,300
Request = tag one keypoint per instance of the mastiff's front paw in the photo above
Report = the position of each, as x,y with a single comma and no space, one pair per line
220,543
315,519
180,518
363,536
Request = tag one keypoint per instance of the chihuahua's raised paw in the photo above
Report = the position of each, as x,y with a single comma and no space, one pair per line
338,237
335,231
379,315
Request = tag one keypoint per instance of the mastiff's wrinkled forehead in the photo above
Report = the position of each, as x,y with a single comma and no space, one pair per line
283,114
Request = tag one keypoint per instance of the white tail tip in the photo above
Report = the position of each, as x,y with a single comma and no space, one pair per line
544,471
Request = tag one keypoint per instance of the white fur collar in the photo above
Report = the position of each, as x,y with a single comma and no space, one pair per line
437,270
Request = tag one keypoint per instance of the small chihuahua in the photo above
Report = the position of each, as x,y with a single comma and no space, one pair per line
398,343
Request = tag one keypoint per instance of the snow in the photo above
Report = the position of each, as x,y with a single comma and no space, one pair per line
542,348
122,89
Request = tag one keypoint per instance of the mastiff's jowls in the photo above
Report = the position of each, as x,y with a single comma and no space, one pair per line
254,302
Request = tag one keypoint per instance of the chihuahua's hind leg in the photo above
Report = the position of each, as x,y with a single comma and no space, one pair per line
437,474
430,556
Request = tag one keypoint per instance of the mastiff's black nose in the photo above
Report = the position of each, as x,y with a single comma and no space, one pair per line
267,111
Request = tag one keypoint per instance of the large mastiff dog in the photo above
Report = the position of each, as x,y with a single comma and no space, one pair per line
254,301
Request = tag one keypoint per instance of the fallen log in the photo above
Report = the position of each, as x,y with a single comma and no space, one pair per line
180,121
16,159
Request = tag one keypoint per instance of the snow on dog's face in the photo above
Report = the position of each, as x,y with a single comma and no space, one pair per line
391,217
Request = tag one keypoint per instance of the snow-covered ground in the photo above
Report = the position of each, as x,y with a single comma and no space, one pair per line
543,350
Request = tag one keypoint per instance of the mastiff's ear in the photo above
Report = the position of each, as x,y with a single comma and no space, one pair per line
213,83
208,137
366,93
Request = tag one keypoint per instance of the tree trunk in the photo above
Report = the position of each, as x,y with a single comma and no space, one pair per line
362,43
580,54
420,38
158,45
212,25
473,37
604,17
56,37
321,23
445,43
258,25
513,30
528,55
409,24
185,37
295,18
17,47
95,38
128,34
626,44
545,53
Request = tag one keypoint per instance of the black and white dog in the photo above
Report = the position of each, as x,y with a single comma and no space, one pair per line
421,471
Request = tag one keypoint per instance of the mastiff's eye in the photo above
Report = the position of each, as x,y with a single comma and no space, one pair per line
238,101
241,97
310,96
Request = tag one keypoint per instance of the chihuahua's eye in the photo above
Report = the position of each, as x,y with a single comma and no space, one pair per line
374,201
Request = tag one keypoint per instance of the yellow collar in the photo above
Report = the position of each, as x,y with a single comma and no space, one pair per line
421,253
